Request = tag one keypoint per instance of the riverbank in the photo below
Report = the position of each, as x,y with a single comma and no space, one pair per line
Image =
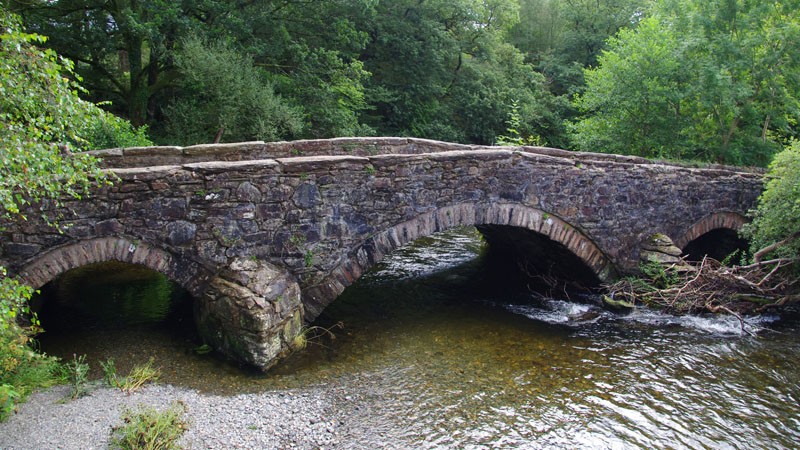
307,419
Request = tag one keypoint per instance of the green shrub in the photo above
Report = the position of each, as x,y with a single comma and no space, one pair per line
21,369
109,131
778,214
148,428
8,399
77,373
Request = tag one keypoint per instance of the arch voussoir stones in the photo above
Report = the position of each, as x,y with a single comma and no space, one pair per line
718,220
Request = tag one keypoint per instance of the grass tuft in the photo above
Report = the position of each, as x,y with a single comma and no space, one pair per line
149,428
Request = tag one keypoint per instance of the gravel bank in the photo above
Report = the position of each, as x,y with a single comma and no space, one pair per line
269,420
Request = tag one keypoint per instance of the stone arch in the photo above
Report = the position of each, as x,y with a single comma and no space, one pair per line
715,221
47,266
317,297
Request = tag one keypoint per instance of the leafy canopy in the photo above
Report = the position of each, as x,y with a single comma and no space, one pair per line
778,214
43,119
223,94
704,80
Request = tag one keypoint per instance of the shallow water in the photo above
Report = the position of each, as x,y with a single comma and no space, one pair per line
437,352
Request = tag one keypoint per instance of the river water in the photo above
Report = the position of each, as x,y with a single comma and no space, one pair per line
434,350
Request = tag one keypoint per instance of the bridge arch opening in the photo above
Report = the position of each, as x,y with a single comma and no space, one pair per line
110,295
113,295
716,236
50,265
543,262
544,232
718,244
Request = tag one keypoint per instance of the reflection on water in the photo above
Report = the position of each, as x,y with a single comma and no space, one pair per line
437,352
109,295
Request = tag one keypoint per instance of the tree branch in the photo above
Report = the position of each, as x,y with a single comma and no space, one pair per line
766,250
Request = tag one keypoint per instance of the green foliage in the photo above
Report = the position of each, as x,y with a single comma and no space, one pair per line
8,399
444,70
634,97
330,91
110,372
223,92
712,81
21,369
778,214
139,375
657,276
149,428
308,258
121,48
126,53
682,79
13,300
514,137
42,117
114,132
77,373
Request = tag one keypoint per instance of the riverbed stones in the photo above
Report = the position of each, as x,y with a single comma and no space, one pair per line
252,312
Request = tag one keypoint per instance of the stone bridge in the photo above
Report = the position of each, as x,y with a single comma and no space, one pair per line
265,235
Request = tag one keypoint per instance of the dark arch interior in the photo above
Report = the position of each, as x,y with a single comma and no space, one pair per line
717,244
110,295
536,257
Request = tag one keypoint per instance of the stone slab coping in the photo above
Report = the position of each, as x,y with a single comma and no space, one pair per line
355,147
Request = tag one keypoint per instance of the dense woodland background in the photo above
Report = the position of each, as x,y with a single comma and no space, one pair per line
710,80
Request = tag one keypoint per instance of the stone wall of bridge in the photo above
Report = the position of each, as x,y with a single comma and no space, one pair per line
320,213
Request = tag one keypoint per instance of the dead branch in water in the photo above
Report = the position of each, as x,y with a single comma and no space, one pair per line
710,287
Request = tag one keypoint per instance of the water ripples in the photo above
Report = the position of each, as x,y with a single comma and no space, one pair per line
441,359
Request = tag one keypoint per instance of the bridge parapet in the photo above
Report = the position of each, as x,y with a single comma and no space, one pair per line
351,146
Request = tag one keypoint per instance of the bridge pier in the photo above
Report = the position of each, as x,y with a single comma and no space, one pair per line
251,312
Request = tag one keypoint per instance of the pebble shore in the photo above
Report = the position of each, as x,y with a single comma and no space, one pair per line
268,420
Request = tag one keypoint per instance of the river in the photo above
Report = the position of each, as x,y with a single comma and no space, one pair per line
441,353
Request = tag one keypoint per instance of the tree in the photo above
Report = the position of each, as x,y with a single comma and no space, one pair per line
776,221
329,90
43,119
124,51
634,99
223,95
444,70
561,38
713,81
747,89
121,48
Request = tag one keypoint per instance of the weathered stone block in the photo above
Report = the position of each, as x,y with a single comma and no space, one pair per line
251,311
108,227
181,232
